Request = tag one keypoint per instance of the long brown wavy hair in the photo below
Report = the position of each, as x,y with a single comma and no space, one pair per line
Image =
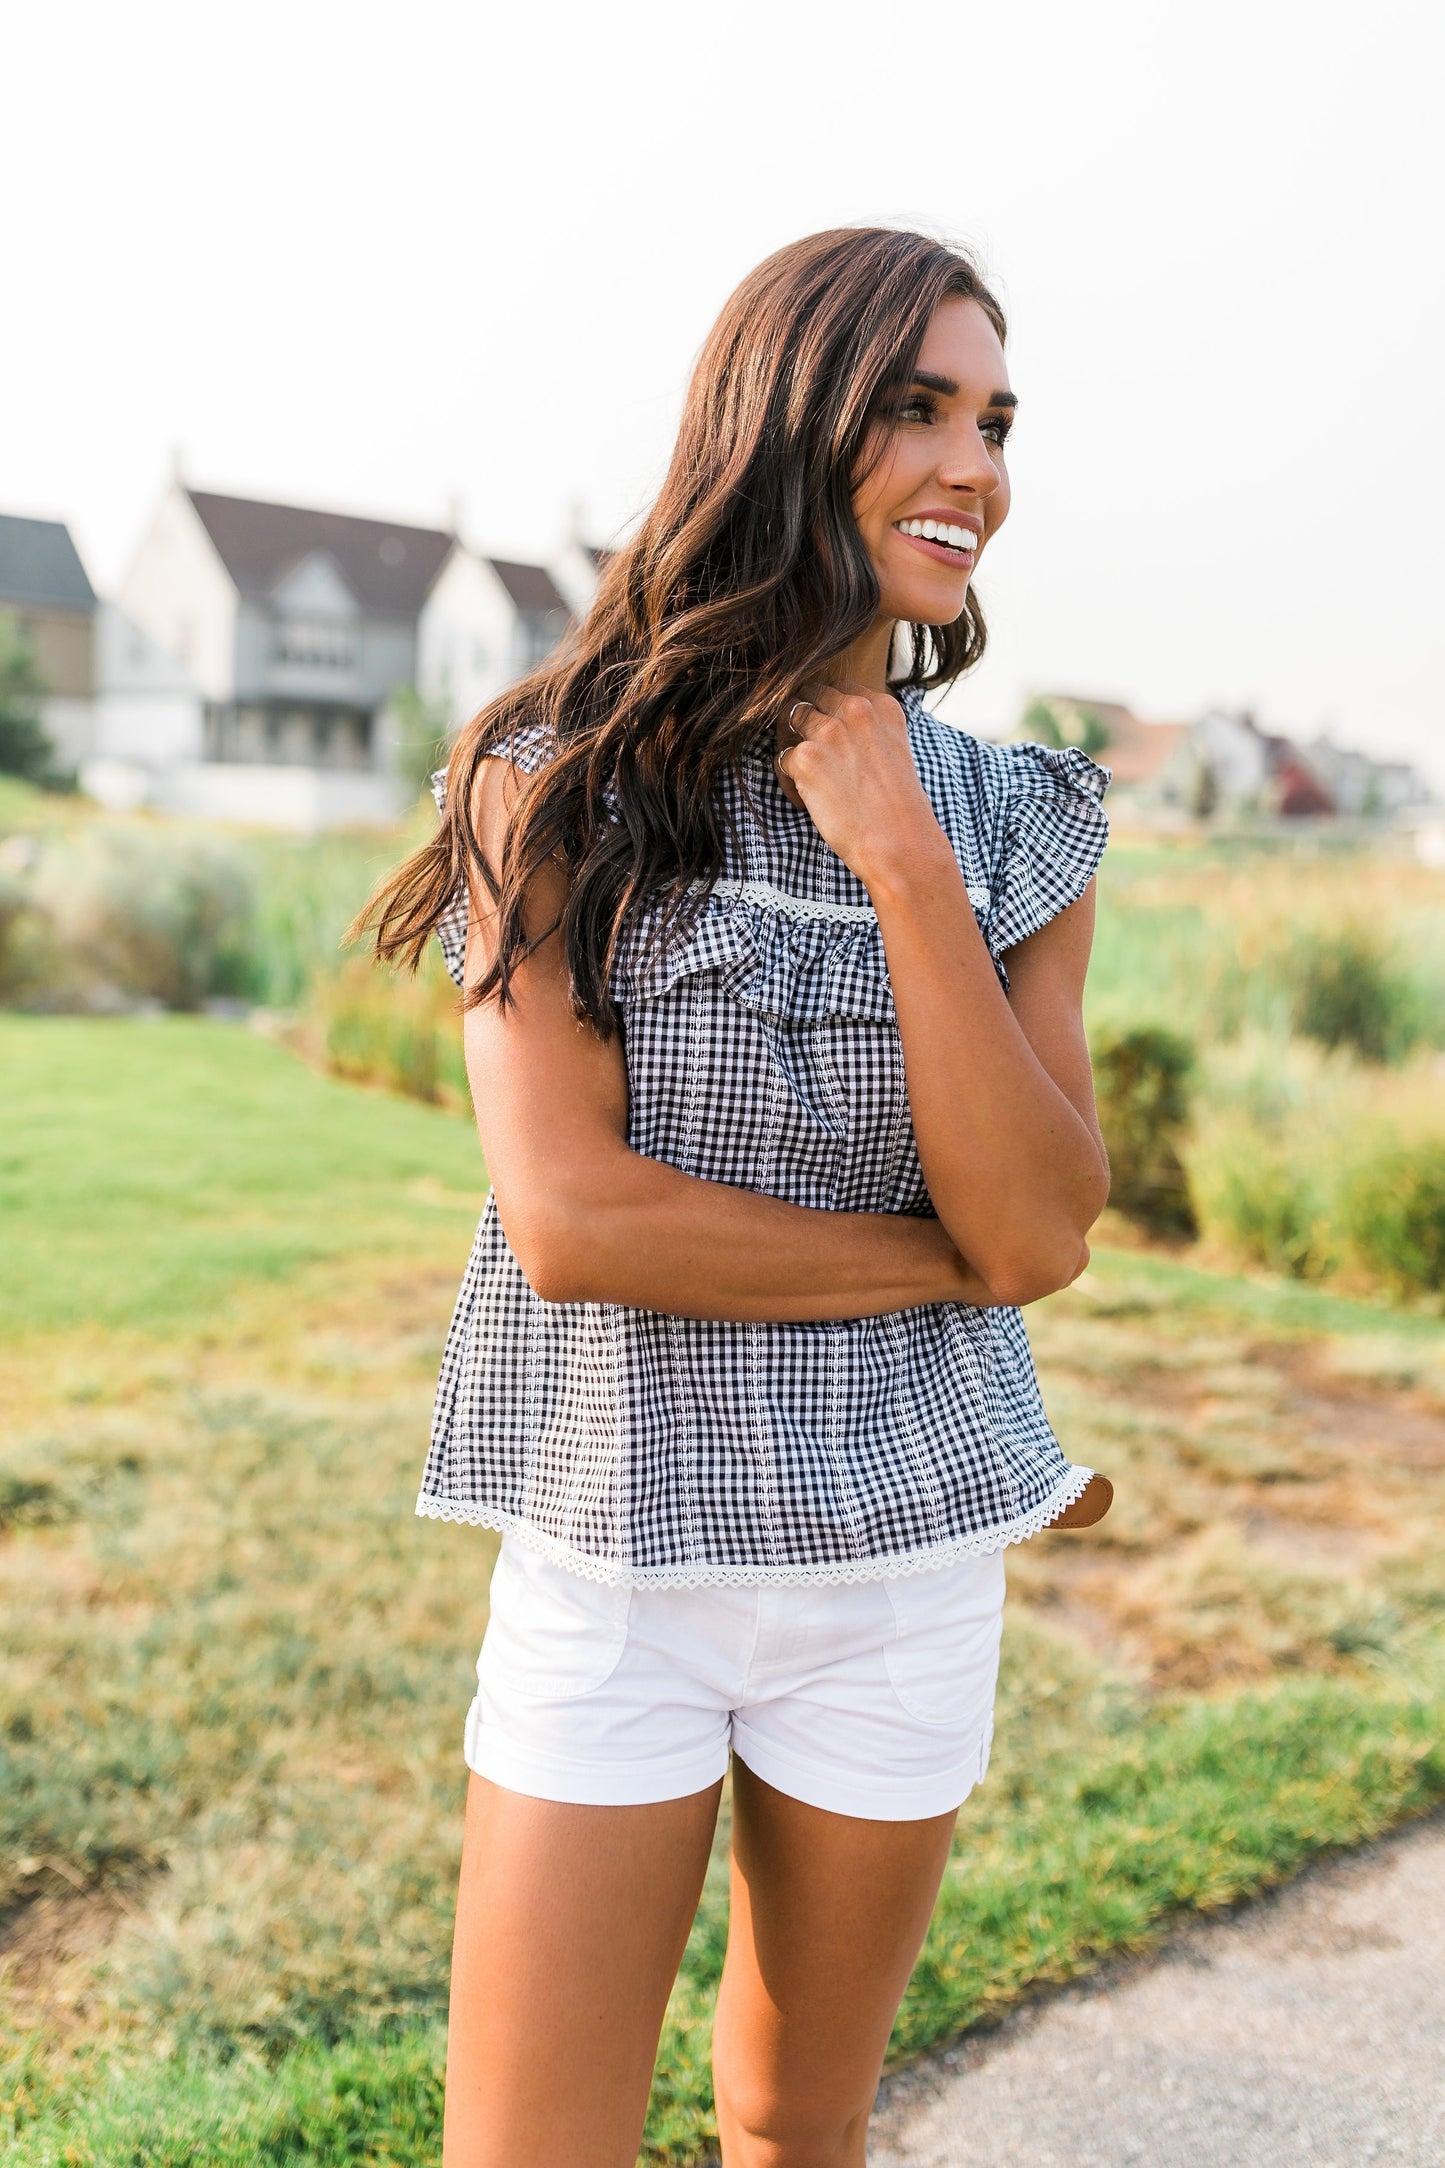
746,578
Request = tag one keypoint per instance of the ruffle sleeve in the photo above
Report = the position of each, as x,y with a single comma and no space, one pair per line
528,747
781,956
1054,832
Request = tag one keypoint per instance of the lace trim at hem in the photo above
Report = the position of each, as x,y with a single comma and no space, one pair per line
975,1543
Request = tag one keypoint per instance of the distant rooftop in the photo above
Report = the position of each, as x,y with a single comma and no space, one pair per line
531,587
389,568
40,565
1137,749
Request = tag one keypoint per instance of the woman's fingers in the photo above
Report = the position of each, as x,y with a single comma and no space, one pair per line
830,702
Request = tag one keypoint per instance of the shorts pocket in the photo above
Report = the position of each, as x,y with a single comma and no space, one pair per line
552,1634
942,1657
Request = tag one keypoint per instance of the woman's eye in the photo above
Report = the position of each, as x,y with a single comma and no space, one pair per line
1003,426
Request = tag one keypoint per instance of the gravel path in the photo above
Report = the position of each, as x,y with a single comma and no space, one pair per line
1304,2031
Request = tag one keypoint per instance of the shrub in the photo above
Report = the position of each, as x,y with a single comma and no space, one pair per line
1308,1163
159,914
24,939
390,1029
1392,1215
1261,1199
1344,991
1142,1078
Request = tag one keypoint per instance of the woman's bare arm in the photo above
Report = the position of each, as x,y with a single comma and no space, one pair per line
590,1220
999,1088
1000,1085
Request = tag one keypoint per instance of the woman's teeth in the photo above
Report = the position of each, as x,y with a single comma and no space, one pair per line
935,530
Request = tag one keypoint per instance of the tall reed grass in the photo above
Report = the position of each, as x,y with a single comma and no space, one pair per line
386,1028
1267,1020
1310,1162
1309,981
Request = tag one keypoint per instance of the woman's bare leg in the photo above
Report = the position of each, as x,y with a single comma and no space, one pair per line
571,1924
828,1915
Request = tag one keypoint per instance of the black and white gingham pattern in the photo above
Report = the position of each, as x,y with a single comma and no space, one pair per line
763,1050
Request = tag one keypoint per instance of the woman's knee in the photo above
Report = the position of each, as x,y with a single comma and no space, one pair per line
764,2127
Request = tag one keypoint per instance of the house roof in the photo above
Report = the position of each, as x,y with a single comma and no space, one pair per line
531,587
1137,750
39,564
389,568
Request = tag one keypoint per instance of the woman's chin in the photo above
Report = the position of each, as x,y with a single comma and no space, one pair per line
932,608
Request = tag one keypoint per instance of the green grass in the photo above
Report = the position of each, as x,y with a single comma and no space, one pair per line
1073,1855
1262,1299
148,1169
237,1665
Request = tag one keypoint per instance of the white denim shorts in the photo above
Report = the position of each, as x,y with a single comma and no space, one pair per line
874,1698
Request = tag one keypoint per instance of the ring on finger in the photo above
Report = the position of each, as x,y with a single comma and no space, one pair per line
778,758
792,712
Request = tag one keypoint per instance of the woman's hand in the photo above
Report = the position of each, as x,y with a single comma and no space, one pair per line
845,758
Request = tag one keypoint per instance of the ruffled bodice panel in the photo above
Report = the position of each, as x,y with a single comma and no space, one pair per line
762,1050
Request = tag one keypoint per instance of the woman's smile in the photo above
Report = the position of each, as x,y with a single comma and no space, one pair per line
934,484
953,538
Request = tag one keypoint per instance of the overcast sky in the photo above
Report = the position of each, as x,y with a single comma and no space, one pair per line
392,259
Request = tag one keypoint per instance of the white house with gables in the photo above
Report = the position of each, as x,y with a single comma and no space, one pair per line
487,621
256,650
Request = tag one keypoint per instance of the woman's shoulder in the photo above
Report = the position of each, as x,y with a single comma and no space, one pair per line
1026,820
527,742
995,775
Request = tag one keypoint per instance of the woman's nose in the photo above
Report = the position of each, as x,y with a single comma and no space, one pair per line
966,463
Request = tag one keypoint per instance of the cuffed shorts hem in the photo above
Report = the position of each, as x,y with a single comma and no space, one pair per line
872,1800
530,1769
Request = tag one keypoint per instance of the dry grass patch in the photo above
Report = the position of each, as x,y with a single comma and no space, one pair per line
1269,1485
230,1768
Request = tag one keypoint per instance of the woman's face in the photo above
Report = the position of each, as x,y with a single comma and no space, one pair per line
940,472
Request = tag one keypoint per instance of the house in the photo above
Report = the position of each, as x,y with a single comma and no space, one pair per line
1136,752
149,717
577,568
1359,785
1226,764
45,589
294,627
258,651
487,621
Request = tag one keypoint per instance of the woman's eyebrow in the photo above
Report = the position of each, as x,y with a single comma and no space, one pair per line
948,387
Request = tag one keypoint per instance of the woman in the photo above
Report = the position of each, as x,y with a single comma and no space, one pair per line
773,991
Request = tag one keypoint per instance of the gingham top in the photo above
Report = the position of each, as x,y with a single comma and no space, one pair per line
763,1050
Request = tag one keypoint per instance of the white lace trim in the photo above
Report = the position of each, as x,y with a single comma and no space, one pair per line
613,1573
787,905
769,898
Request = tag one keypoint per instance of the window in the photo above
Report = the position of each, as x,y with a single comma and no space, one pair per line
315,644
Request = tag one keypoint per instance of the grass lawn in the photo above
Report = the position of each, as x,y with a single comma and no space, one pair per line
230,1773
149,1170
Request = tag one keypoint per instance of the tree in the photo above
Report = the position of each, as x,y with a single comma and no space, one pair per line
1065,722
422,737
25,749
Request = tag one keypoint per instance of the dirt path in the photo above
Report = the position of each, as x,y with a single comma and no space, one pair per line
1306,2031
